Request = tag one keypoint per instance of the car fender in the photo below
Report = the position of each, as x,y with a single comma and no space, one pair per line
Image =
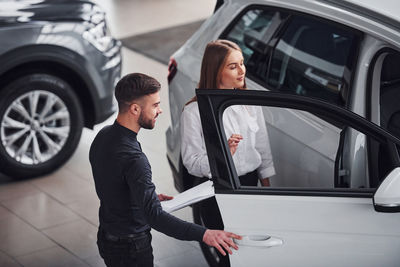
59,55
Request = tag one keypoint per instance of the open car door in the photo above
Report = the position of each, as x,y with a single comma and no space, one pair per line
303,218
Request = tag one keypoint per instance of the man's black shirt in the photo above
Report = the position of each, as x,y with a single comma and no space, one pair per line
128,201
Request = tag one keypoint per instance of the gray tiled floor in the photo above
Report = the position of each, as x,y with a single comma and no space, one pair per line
52,220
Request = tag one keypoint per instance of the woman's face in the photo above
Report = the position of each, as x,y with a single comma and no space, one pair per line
233,72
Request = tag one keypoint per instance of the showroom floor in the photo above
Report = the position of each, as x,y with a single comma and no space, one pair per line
52,220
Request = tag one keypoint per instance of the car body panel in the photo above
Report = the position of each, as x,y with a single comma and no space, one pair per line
47,10
315,231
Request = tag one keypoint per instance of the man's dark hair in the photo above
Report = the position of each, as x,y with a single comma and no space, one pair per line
132,87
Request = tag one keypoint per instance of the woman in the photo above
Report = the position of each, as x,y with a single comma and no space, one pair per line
222,68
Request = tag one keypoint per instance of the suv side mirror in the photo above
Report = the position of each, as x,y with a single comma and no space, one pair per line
387,196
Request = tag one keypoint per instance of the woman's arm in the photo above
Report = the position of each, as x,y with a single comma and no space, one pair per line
266,168
194,154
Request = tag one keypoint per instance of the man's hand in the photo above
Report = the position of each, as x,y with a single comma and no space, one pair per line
163,197
233,142
219,239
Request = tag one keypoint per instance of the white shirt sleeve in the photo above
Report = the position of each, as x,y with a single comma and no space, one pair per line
193,150
266,169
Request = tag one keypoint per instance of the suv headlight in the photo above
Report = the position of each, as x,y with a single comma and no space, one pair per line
98,36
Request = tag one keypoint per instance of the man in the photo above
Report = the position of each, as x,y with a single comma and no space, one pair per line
129,205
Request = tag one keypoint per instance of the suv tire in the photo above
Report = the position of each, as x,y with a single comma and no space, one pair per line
41,123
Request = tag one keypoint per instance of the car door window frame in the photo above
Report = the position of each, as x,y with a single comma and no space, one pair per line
221,164
372,110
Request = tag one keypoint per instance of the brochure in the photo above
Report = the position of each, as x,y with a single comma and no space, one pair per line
195,194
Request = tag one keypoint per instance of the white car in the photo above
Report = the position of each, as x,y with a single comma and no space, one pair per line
346,53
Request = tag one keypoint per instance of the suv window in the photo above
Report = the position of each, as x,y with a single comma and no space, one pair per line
320,156
389,109
252,32
313,58
309,56
390,94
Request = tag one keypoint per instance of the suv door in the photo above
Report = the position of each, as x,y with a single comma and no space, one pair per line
311,223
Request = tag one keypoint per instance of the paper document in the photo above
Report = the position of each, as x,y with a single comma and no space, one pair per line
195,194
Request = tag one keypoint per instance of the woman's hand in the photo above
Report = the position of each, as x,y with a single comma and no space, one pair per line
233,142
265,182
163,197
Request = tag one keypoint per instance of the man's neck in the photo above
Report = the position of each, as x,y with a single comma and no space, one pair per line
128,122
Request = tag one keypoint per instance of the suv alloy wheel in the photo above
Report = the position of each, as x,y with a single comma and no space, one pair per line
41,123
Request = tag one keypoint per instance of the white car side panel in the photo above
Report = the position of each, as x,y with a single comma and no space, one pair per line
315,231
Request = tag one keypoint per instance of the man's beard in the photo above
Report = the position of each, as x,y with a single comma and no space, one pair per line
146,124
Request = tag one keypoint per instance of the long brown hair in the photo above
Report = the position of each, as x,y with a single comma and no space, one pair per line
214,59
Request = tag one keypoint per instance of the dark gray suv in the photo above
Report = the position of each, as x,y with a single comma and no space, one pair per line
58,68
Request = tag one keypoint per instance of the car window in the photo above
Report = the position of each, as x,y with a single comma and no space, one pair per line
252,32
313,58
390,94
388,111
291,53
271,145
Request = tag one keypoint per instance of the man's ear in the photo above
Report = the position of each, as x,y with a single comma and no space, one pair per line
135,109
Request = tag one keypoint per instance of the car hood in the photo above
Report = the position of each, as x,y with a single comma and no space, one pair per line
14,11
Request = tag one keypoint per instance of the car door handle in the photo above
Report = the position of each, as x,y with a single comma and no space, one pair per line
259,241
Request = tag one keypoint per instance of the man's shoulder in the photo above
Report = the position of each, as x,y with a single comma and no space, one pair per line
137,164
129,150
104,132
100,136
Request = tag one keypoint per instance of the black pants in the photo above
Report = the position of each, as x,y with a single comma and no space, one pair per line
249,179
212,220
210,211
209,207
125,251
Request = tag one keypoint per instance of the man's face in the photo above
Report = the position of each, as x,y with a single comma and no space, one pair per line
150,109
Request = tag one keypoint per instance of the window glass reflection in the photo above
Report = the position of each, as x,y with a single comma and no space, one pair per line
293,149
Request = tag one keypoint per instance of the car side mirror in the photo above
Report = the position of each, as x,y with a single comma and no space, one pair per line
387,196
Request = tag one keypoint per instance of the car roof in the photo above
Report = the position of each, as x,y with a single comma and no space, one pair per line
377,18
373,9
384,12
388,8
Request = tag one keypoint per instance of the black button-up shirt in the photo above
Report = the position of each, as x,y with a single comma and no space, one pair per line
128,201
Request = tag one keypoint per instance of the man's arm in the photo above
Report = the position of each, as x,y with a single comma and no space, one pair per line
143,191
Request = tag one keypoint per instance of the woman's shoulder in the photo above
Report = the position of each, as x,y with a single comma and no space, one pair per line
191,107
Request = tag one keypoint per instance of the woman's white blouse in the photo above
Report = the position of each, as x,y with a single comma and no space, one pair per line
253,151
